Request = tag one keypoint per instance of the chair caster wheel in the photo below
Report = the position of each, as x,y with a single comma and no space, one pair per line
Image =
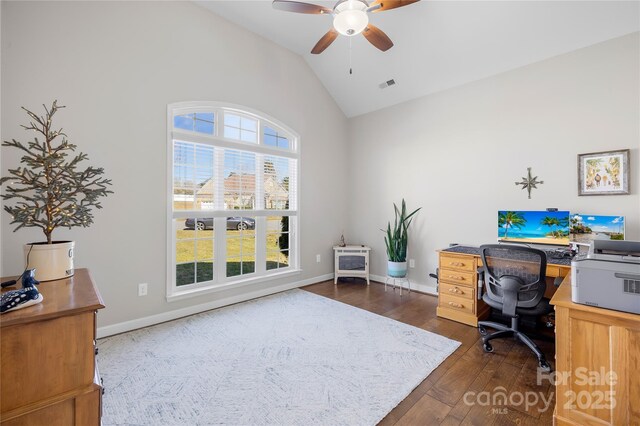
487,347
482,330
544,366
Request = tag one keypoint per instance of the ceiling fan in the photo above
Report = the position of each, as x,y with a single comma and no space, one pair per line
350,17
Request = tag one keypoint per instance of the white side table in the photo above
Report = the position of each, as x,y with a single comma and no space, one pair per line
397,282
351,261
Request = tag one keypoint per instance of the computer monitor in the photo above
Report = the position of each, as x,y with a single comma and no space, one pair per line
588,227
534,227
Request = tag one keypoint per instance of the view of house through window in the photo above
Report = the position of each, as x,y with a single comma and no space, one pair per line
233,209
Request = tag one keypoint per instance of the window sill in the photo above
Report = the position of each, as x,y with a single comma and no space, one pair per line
186,294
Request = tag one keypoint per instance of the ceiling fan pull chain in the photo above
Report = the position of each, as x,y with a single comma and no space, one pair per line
350,67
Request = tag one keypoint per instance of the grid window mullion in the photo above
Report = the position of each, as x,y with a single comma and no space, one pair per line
223,178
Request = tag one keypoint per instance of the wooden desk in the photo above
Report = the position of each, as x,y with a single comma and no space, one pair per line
591,342
47,363
458,284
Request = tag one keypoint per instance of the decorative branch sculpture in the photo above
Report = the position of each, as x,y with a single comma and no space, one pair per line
49,190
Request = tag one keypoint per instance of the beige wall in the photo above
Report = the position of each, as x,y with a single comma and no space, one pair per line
457,153
116,66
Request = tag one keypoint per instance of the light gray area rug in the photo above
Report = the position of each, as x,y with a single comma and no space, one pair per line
293,358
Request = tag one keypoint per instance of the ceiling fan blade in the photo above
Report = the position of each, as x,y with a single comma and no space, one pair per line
325,41
377,37
389,4
300,7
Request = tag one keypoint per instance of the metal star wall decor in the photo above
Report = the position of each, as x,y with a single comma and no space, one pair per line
530,182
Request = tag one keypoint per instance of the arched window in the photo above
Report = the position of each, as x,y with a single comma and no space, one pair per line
233,207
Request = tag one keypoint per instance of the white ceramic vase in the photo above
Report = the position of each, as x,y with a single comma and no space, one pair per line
51,261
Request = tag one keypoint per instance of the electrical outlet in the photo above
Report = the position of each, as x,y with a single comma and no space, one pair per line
317,258
142,289
412,263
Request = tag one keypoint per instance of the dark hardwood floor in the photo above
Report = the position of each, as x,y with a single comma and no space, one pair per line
511,370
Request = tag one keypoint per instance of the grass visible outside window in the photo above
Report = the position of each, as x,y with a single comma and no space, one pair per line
186,254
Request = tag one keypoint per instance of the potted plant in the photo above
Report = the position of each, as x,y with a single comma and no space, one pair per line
51,192
396,240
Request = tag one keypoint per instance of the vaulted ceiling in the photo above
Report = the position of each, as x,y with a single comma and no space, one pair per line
438,44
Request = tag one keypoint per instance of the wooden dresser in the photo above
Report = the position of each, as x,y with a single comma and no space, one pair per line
458,289
48,368
590,343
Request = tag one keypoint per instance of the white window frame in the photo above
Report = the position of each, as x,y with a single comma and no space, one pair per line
220,281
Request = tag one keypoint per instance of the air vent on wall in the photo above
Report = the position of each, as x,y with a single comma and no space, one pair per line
386,84
632,286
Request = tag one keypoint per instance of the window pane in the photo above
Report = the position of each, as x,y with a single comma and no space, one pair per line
204,249
183,198
276,182
185,251
248,136
270,140
232,120
204,127
204,189
274,138
250,124
183,176
193,170
183,121
183,153
204,116
194,250
204,271
231,132
277,242
234,266
241,245
283,143
240,179
185,274
248,267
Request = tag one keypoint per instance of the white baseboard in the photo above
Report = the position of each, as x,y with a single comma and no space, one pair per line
415,285
125,326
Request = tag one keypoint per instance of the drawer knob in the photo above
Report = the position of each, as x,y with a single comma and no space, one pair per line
456,263
455,305
455,290
454,277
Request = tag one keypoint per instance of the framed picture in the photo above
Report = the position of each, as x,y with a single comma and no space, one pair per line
603,173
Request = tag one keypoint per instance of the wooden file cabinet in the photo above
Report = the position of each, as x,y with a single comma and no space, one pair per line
458,287
48,367
590,343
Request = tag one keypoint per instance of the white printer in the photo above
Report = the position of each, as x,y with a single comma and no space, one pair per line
608,276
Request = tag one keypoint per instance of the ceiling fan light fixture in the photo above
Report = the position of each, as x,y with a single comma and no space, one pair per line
351,17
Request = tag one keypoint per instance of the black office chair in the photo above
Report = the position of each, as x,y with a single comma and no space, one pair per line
515,284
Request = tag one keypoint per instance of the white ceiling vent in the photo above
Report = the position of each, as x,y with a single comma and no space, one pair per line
387,83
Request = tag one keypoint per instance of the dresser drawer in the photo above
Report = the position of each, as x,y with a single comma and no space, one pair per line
467,279
460,263
456,303
458,290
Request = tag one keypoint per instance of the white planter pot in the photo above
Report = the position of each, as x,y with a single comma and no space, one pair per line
397,269
51,261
